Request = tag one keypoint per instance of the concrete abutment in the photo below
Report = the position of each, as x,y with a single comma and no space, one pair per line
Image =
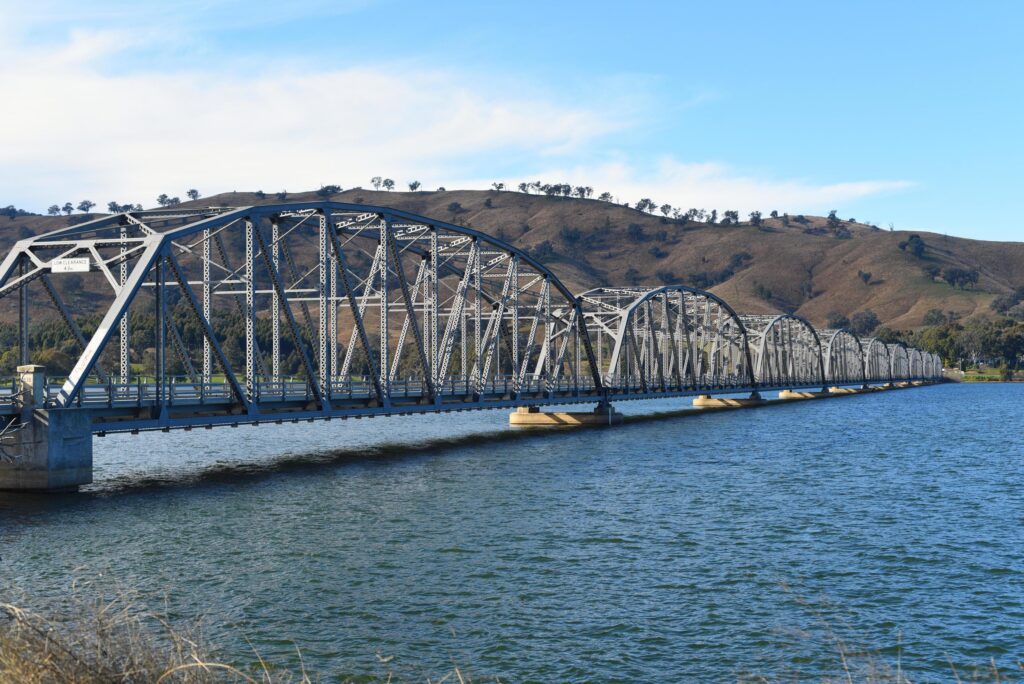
47,450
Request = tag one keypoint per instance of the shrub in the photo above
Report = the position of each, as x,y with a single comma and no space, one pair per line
570,236
864,322
837,320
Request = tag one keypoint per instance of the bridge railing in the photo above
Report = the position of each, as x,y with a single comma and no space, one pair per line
183,391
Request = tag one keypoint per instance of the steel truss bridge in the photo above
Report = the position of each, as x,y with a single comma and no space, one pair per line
304,311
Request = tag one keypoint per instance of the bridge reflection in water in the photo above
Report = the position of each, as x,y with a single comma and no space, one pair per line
309,311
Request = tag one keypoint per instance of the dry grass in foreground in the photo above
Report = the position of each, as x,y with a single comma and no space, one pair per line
109,640
115,640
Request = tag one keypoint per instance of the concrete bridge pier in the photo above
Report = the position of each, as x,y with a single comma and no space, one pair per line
47,450
531,416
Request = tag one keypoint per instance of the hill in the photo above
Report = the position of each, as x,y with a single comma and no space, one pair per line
795,264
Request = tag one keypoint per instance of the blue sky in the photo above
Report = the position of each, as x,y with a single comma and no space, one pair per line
903,113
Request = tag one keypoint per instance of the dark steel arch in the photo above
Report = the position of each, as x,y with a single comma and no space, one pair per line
877,361
844,357
786,349
500,278
900,360
665,339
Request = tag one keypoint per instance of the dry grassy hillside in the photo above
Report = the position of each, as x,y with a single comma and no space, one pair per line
770,268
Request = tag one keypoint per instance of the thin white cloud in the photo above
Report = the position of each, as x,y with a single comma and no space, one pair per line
715,186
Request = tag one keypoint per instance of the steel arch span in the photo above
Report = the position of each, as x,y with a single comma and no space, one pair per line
343,307
877,360
899,358
672,339
844,357
786,350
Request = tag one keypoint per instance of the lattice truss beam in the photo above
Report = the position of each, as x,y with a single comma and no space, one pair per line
666,339
341,300
786,349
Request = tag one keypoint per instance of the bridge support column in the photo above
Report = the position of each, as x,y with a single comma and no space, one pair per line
532,416
47,449
708,401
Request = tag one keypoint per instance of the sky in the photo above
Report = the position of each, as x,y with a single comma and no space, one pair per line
895,113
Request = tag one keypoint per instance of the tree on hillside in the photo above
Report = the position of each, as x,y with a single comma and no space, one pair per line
833,220
731,216
85,206
834,319
916,245
388,184
414,186
260,194
646,205
162,199
636,232
53,210
282,194
665,209
113,207
775,213
193,194
864,322
755,218
864,276
67,208
713,216
935,317
376,181
524,187
605,197
960,277
455,208
498,186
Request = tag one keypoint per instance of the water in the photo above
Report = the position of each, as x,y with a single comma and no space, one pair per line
689,549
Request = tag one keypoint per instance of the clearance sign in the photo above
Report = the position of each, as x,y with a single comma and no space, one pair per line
72,265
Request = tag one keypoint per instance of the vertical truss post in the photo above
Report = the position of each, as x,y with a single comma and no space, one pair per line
23,350
435,303
207,308
385,380
275,302
323,319
477,332
124,331
251,389
332,300
160,274
515,322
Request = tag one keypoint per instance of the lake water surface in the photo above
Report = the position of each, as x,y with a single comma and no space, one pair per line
703,548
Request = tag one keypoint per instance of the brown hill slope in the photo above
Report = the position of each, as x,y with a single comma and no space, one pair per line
799,267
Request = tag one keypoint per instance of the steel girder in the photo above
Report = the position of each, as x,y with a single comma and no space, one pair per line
786,350
899,358
666,339
877,361
439,308
844,357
